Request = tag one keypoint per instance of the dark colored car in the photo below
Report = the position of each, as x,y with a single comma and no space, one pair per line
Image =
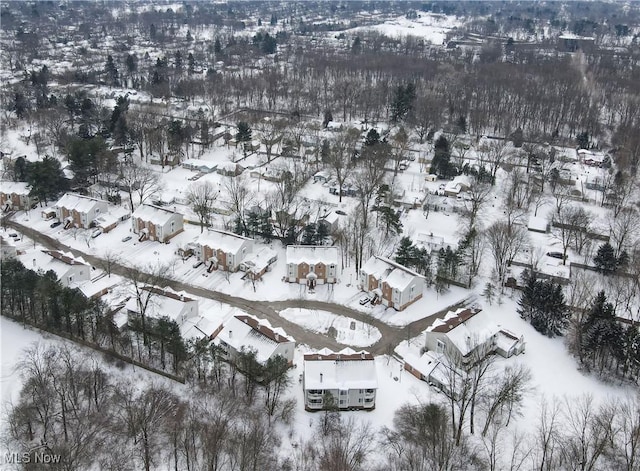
55,224
555,255
340,212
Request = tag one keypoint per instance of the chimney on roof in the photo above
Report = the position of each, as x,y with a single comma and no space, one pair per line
321,377
34,262
230,333
181,297
277,337
362,355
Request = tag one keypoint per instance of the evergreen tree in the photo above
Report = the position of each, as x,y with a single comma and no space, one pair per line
372,138
46,179
405,252
217,46
111,71
542,304
402,105
441,165
605,259
243,133
602,336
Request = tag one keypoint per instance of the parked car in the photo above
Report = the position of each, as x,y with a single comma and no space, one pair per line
555,255
96,233
55,224
340,212
197,263
126,239
364,300
13,235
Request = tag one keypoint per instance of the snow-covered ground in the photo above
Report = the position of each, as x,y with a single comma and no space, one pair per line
347,331
430,26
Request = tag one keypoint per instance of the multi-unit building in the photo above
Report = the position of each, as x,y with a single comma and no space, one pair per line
468,335
345,380
162,302
79,211
257,263
14,196
390,283
245,332
312,264
156,223
68,269
222,250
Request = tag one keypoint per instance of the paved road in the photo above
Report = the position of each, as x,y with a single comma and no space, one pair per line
391,336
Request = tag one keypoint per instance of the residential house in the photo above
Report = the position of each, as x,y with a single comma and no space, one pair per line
108,221
222,250
162,302
156,223
322,176
243,332
390,283
350,377
257,263
457,186
433,243
199,165
312,264
75,210
229,169
14,196
331,221
469,335
68,269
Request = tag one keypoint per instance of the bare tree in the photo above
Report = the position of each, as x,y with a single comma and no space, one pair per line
347,447
624,229
587,432
202,196
505,242
340,155
239,198
626,435
546,438
505,395
494,154
476,199
142,415
141,180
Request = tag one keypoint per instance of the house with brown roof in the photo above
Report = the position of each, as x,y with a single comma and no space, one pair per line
155,223
349,376
469,334
390,283
244,332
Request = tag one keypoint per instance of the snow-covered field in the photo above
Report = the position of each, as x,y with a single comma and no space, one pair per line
429,26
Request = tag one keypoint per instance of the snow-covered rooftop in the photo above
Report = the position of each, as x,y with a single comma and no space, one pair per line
346,369
466,328
228,242
249,332
154,214
394,274
18,188
312,254
166,302
80,203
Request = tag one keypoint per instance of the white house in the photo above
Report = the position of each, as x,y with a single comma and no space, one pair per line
222,250
156,223
243,331
469,334
14,196
79,211
349,376
433,243
312,264
391,283
163,303
258,263
68,269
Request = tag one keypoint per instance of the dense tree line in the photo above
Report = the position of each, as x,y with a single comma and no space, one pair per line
40,300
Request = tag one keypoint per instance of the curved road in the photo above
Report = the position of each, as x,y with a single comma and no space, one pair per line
391,336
